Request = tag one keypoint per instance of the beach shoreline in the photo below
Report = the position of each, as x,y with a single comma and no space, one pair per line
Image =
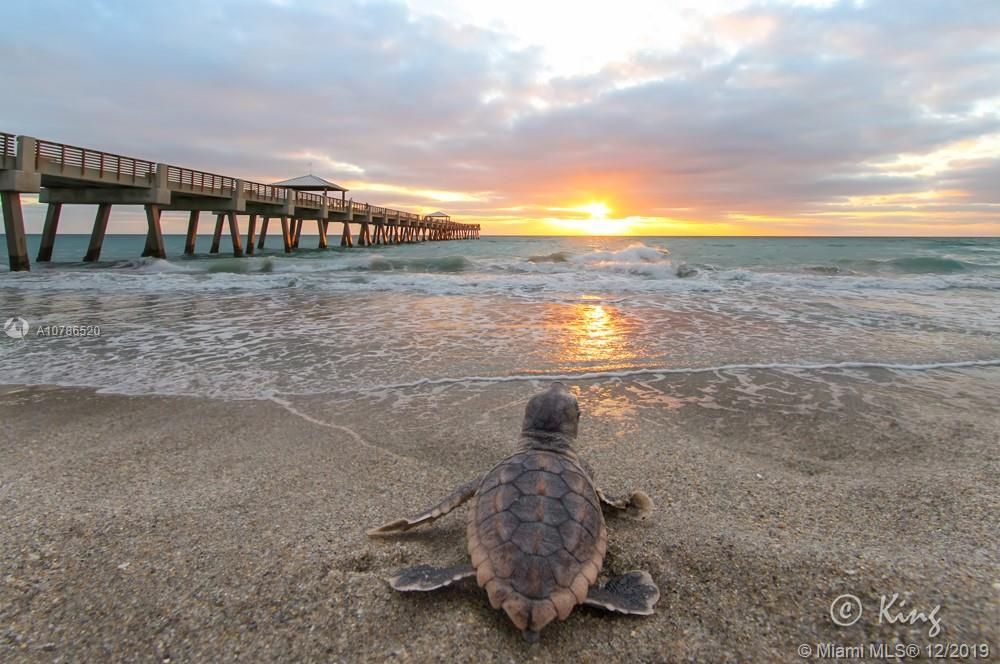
197,529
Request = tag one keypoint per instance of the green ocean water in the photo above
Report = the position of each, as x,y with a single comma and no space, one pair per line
843,256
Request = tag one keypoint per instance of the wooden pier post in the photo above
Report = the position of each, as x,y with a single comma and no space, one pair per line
296,232
366,227
251,234
49,232
154,234
192,233
286,238
217,235
13,224
345,237
321,227
97,235
234,233
263,232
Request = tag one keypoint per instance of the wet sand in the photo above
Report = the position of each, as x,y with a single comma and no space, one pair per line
142,528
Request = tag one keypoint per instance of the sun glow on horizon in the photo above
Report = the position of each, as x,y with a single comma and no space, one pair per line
598,220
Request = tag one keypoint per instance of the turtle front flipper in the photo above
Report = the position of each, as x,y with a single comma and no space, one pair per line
637,505
425,577
633,593
450,502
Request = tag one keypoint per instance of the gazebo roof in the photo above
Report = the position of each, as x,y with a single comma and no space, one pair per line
439,213
309,183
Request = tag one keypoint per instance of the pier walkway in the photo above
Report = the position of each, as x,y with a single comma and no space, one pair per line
68,175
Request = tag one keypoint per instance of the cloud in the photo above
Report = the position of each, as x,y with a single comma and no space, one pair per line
775,111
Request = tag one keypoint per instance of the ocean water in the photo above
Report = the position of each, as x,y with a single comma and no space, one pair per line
428,316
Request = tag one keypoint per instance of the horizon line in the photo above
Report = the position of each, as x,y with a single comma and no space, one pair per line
576,235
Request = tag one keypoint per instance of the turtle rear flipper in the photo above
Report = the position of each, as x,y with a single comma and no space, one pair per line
454,499
633,593
637,505
425,577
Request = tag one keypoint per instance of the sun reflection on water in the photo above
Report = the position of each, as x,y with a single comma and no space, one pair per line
592,336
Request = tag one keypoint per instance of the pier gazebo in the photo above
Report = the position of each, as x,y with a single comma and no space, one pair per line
438,216
312,183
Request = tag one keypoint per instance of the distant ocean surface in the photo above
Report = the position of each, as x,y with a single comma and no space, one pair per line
496,309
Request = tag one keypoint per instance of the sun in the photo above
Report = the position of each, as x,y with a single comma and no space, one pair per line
596,210
593,218
600,221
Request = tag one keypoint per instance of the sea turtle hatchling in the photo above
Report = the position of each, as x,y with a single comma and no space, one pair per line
536,532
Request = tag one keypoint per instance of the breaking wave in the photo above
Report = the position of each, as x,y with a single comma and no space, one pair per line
637,268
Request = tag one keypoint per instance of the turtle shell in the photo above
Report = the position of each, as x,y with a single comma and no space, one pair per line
536,536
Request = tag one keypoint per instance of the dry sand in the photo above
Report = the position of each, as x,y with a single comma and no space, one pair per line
182,529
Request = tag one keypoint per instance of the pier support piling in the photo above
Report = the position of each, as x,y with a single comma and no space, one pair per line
296,232
217,235
234,234
49,232
192,233
263,232
286,237
154,234
321,226
97,235
251,234
345,237
13,224
365,236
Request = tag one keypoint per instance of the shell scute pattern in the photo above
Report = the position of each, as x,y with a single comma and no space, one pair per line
542,483
537,536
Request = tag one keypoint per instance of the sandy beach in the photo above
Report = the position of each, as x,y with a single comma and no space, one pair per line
182,529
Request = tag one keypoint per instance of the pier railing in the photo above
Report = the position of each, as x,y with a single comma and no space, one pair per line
265,192
63,159
186,179
309,200
8,150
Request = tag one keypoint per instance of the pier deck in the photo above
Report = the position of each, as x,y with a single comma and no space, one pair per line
69,175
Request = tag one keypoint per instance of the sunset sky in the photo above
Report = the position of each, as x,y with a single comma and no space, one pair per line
644,117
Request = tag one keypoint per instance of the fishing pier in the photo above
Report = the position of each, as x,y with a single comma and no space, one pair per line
68,175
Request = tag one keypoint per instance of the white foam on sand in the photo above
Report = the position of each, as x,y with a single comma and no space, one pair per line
666,371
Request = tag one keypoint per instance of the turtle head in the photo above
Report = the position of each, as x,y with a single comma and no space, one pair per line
551,417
